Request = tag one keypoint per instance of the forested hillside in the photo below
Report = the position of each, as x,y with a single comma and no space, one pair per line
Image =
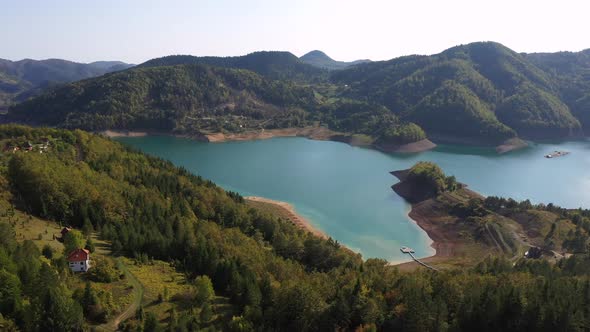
276,276
169,98
196,99
571,71
22,79
480,93
485,87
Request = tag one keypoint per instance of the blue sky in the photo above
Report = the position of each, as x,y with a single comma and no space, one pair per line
137,30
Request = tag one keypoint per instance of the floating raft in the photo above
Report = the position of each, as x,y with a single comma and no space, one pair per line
556,154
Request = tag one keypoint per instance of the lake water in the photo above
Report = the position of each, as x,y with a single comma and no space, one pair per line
346,191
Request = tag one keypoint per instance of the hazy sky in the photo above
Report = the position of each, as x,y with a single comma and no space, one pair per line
137,30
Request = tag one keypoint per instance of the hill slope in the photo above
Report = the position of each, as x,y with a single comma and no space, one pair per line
168,98
509,89
571,71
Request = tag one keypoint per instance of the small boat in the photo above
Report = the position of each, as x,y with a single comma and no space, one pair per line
555,154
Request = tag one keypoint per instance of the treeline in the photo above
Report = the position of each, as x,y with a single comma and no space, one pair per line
277,276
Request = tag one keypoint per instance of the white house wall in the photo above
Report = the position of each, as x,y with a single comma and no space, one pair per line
82,266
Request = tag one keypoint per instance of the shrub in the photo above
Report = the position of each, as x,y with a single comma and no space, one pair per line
103,270
47,251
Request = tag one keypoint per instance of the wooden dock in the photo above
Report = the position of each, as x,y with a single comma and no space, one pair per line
410,252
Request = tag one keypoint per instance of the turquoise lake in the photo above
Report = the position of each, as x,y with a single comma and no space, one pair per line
346,191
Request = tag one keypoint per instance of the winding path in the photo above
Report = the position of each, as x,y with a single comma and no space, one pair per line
131,309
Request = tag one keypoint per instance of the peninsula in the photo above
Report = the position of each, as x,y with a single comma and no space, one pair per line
466,226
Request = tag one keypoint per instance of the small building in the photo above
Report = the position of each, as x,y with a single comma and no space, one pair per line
79,260
64,232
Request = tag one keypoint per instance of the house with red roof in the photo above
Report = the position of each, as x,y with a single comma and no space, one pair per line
79,260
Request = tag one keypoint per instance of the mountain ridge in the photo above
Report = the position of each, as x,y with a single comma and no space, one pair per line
482,93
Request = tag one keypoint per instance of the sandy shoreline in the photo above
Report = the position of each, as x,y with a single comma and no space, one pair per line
317,133
320,134
116,133
419,146
131,133
511,145
297,219
314,133
431,243
409,261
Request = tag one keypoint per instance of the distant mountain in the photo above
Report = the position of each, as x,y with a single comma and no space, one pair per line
274,65
21,79
321,60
